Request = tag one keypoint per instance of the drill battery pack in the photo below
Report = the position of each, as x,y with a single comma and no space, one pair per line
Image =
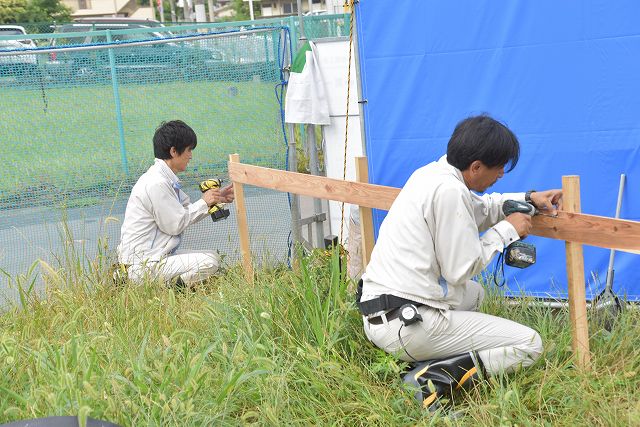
520,255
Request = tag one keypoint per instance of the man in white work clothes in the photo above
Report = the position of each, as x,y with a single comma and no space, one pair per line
158,212
428,249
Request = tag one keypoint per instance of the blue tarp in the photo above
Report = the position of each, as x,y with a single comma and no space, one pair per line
564,76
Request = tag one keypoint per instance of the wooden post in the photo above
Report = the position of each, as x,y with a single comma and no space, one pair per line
243,227
366,217
575,279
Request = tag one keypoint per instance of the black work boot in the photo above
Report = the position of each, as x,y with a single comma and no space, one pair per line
434,379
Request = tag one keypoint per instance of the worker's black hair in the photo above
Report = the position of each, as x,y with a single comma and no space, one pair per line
483,138
175,133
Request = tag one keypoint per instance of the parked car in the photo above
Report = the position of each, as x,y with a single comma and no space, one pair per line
128,22
160,61
16,65
16,30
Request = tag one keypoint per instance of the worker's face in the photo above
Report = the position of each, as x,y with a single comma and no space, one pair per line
179,162
482,177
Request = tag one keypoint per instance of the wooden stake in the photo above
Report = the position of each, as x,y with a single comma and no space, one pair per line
243,226
575,279
366,217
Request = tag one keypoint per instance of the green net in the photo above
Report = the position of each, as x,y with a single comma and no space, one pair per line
77,118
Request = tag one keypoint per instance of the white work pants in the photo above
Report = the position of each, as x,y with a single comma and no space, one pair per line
503,345
191,267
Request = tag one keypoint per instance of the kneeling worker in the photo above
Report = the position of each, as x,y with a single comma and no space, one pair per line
158,212
428,249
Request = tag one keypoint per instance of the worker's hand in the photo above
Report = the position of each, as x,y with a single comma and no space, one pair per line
227,193
218,195
548,202
521,222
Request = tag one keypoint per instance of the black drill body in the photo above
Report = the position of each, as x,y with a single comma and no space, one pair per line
519,254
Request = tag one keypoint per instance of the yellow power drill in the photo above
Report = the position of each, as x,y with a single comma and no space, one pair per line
217,211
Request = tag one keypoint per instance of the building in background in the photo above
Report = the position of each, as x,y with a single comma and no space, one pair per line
98,8
221,8
290,7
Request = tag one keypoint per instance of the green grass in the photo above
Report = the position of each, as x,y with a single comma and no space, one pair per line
288,350
74,147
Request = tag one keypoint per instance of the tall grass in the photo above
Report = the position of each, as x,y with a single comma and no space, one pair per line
288,350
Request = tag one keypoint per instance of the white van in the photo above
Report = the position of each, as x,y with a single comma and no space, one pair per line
16,65
16,30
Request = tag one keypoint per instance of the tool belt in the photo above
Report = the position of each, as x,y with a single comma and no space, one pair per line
384,302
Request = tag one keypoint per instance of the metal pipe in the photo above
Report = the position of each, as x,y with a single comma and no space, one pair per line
303,37
116,98
612,254
118,45
314,169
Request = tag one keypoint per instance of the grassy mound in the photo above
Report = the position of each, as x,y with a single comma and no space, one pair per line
288,350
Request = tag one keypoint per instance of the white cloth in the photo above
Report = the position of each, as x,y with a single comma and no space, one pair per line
428,249
306,100
429,246
157,214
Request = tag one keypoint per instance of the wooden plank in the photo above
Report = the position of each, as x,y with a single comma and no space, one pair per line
605,232
591,230
243,225
366,217
367,195
575,279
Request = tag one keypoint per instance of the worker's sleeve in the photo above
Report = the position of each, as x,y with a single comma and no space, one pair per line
170,215
489,212
460,251
186,202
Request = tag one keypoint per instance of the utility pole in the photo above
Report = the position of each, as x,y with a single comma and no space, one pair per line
153,9
186,10
172,3
201,14
250,8
212,15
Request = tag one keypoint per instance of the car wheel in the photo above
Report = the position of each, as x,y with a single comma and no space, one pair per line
85,73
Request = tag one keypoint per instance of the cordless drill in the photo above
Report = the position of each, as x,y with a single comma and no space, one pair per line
519,254
217,211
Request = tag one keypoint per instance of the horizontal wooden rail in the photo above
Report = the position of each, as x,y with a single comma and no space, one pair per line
586,229
591,230
367,195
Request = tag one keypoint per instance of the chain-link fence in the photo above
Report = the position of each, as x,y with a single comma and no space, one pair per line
319,26
77,118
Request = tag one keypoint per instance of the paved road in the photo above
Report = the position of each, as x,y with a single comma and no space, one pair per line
77,234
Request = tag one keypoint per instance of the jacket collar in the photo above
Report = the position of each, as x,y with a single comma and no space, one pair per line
452,169
167,172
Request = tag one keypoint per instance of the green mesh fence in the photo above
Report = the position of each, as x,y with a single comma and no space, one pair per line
77,118
319,26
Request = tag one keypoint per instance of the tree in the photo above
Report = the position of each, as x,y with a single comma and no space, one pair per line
241,8
17,11
11,11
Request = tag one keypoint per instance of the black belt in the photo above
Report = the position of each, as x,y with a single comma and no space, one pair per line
390,315
381,303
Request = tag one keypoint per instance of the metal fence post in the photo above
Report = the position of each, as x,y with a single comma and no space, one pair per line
314,169
116,98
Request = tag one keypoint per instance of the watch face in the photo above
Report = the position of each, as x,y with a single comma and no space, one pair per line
408,313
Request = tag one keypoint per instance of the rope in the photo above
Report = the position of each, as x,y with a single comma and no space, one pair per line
351,5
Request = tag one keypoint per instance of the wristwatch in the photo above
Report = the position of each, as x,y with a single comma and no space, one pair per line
527,196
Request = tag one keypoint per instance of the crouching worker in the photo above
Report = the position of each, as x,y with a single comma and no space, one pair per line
158,212
417,297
